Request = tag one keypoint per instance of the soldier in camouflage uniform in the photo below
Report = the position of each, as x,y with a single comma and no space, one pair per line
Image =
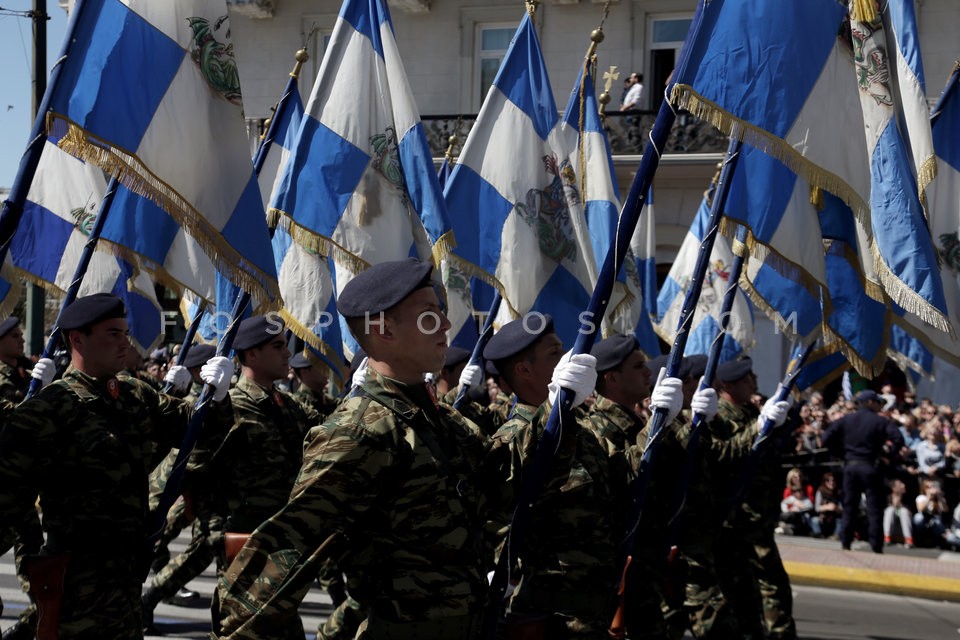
390,480
85,445
14,383
749,567
567,569
197,501
312,389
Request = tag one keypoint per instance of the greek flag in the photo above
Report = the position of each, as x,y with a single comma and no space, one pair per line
360,185
828,107
706,318
943,205
515,196
62,205
151,93
305,277
628,311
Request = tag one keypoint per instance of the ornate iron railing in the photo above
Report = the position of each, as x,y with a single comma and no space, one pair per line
627,132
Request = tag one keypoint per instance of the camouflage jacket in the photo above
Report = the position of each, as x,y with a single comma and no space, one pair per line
570,548
13,387
396,478
487,417
314,403
261,454
86,445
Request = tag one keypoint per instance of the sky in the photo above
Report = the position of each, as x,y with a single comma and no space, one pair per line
16,70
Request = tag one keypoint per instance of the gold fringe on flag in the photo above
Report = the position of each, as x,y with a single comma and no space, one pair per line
864,11
135,176
684,97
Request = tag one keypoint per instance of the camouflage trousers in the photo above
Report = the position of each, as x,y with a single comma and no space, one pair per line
25,542
708,613
205,546
101,599
177,520
754,581
343,622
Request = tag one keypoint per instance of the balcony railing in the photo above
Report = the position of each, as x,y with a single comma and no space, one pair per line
626,131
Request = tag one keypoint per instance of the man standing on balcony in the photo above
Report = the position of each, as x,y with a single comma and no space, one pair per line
634,93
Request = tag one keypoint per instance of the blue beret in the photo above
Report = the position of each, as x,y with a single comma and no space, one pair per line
733,370
517,335
89,310
865,395
198,355
697,365
7,325
300,361
256,330
612,351
455,355
382,286
357,359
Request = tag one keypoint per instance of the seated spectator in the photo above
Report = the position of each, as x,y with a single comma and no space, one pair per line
796,480
796,509
930,457
952,459
796,512
827,505
928,526
897,513
952,536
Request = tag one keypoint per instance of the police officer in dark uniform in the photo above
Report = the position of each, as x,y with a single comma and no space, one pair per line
860,437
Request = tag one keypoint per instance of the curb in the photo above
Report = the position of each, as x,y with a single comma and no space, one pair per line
892,582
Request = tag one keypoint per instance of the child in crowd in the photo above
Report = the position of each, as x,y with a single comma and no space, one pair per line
826,505
897,512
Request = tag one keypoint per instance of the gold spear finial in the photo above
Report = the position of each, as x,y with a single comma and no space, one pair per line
604,98
301,56
451,145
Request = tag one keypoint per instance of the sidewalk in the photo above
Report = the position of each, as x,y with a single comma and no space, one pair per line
922,573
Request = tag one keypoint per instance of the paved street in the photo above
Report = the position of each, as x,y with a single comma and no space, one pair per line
821,613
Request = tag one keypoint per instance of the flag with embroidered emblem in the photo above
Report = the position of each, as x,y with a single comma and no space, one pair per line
630,306
515,197
706,319
62,205
943,205
360,185
826,94
151,93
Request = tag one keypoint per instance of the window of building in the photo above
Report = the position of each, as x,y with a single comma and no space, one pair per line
491,44
317,31
666,35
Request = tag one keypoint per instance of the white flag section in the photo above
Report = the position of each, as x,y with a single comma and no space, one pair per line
62,206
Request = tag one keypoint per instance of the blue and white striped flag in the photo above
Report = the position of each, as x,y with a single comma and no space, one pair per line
360,185
707,317
628,310
943,206
828,107
151,93
305,277
515,197
62,205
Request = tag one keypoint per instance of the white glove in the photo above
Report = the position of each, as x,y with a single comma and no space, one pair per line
704,402
44,371
217,372
667,394
471,377
360,375
577,373
178,378
775,411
